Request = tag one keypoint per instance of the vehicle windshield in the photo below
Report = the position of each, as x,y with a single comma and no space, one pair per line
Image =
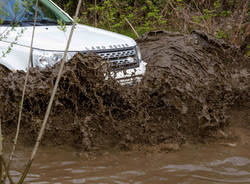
23,11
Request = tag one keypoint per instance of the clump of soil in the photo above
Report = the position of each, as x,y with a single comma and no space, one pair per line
3,71
202,77
192,81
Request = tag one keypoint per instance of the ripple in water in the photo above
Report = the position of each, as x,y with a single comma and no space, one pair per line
206,166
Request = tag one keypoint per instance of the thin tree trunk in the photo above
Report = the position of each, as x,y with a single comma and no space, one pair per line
132,28
26,171
2,163
7,173
83,5
95,15
24,89
1,153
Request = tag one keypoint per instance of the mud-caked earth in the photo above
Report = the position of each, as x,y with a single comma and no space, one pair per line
192,86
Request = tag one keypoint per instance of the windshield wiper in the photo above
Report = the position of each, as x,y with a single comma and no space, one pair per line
50,21
40,21
9,23
31,22
68,23
6,22
47,21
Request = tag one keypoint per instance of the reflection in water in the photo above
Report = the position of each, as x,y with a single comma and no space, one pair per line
208,165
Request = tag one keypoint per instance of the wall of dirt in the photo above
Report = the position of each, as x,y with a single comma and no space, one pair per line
204,78
192,83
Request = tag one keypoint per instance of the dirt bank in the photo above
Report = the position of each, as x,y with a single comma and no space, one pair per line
192,83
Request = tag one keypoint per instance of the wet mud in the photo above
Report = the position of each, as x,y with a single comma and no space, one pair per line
192,85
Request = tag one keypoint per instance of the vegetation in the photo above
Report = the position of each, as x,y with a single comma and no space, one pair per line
225,19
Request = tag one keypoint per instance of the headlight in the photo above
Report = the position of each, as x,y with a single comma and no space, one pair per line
43,58
138,50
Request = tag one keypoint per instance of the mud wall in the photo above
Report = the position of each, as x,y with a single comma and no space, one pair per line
191,84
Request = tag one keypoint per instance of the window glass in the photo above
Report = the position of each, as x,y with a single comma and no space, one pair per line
23,11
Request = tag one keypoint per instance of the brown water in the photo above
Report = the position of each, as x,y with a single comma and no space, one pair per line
193,165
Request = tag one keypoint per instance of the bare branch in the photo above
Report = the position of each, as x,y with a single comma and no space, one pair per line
24,89
42,130
132,28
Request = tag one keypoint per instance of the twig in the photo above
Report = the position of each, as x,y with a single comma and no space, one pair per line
2,162
108,21
201,25
185,15
7,173
203,19
84,5
51,99
95,15
6,29
24,89
240,24
1,153
132,28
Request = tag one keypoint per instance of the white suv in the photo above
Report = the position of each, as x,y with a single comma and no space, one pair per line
50,40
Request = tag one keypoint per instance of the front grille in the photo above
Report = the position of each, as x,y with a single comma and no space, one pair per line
121,59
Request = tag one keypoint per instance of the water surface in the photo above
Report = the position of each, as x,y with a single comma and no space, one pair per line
198,164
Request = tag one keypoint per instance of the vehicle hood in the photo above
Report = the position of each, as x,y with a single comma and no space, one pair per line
84,38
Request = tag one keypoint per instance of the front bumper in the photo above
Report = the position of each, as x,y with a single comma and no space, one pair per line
131,76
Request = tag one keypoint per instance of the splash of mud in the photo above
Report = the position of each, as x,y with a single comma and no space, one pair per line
191,84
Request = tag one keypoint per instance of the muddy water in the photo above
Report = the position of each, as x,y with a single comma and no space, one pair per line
196,164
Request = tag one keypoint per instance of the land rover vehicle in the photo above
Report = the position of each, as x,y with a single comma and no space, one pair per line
52,30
